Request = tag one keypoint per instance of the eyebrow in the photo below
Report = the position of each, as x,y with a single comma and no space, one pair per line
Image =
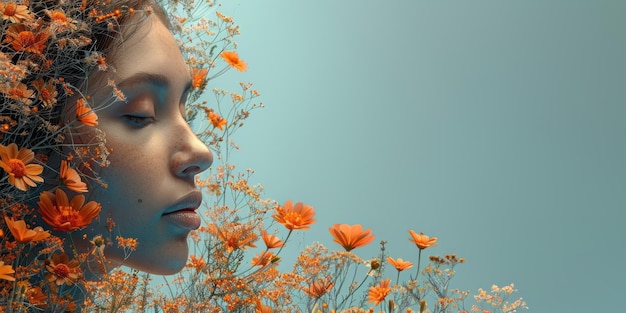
158,80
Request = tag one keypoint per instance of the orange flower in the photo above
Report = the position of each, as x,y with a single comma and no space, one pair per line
13,12
6,271
350,237
24,40
61,270
400,264
23,234
217,120
260,308
198,78
19,92
378,293
293,217
320,287
47,92
422,241
65,215
196,262
271,241
264,259
234,236
71,179
16,164
84,114
232,58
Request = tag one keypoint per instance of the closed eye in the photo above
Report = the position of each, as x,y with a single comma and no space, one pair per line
138,121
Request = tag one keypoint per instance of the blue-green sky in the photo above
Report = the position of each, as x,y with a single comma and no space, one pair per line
497,126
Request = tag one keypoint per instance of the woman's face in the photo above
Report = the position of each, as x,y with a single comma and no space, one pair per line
151,195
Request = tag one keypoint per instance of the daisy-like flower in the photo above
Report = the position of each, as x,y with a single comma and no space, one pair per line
18,91
198,78
47,92
216,120
84,114
234,236
13,12
351,236
422,241
22,234
232,58
65,215
271,241
293,217
61,270
71,179
399,264
16,163
196,262
6,271
377,294
24,40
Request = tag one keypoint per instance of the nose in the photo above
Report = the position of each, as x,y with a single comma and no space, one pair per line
192,156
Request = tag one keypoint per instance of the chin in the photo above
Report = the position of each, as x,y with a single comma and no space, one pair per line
162,262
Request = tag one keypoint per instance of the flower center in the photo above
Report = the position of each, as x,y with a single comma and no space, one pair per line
9,9
45,95
293,218
17,167
62,270
69,217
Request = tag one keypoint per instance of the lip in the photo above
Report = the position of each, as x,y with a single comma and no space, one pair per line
183,212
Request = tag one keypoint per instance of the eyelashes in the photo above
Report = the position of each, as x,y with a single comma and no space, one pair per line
138,121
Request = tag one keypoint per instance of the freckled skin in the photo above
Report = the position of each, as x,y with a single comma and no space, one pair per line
152,166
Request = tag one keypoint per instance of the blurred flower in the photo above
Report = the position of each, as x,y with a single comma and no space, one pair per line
378,293
18,91
61,270
271,241
232,58
422,241
234,236
5,271
63,215
71,179
16,164
293,217
23,234
264,259
320,287
196,262
84,114
400,264
350,237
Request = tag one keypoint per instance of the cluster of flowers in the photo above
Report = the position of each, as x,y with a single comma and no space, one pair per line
42,44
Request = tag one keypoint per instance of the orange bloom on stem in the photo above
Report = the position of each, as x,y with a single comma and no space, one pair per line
400,264
23,234
350,237
232,58
271,241
422,241
18,91
47,92
320,287
71,179
234,236
84,114
264,259
61,270
16,163
216,120
377,294
65,215
198,77
24,40
293,217
6,271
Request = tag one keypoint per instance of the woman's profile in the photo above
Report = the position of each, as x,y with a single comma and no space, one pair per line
98,161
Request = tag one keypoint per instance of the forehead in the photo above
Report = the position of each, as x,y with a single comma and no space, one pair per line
149,48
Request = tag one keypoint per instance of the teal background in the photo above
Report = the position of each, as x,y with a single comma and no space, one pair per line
496,126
